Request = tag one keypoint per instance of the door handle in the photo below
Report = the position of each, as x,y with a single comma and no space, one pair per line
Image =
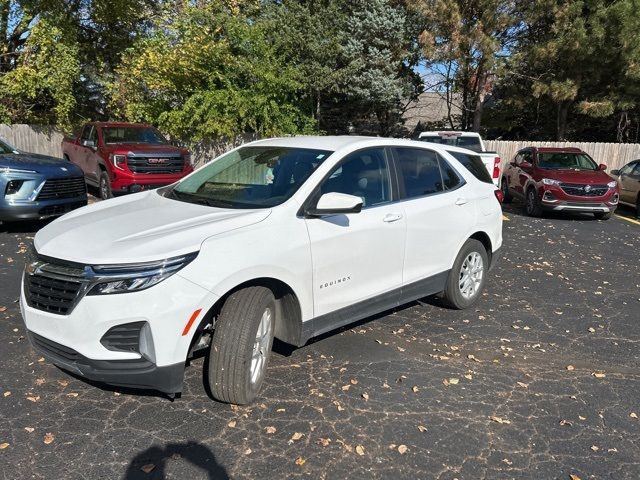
461,201
392,217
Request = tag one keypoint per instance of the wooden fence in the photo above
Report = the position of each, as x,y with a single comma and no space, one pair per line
47,141
614,155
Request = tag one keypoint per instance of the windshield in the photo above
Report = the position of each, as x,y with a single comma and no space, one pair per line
565,161
133,135
250,177
6,148
471,143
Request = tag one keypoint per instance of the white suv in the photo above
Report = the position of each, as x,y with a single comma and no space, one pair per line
285,238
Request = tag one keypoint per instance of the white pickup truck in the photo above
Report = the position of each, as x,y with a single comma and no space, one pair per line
470,141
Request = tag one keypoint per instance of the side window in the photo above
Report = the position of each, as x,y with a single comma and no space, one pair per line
450,177
364,174
93,135
518,159
626,170
528,157
419,171
87,132
636,171
474,164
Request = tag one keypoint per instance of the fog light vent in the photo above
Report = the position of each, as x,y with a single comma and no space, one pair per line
13,187
123,338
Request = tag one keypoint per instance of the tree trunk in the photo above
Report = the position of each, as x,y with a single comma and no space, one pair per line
563,113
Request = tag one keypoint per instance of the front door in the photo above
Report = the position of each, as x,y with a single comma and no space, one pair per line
357,256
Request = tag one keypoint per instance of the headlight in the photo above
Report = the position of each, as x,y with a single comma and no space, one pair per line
118,160
613,184
15,170
551,181
135,277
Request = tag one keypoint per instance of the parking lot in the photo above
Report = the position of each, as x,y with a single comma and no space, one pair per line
540,380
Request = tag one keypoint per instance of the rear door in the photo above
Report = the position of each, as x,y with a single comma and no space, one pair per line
630,183
438,207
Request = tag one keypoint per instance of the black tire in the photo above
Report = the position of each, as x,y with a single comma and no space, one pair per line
453,293
104,186
638,206
233,345
504,186
531,203
602,215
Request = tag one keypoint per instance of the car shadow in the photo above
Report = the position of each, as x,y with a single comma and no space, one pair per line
516,208
151,464
25,226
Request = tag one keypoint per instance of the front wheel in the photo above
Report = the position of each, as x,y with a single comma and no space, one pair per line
504,186
467,277
531,205
241,345
104,187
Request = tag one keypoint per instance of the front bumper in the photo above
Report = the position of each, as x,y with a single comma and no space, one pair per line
75,342
134,373
126,182
554,198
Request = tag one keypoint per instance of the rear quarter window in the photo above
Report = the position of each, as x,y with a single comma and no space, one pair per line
474,164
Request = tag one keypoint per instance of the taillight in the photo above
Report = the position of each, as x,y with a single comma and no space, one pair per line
499,195
496,167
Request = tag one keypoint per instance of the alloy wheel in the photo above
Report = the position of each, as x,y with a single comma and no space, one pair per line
261,346
471,274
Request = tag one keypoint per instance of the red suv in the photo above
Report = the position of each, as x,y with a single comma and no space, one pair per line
559,179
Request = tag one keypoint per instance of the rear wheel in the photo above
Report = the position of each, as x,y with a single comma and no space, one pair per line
104,187
602,215
241,345
531,204
467,277
504,186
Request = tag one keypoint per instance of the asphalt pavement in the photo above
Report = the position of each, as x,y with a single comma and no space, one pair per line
541,380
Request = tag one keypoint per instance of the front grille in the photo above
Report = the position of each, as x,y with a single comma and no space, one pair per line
52,295
579,190
57,188
123,338
155,164
55,349
53,210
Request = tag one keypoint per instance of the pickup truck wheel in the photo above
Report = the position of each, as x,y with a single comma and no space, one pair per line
504,186
241,345
105,186
531,204
467,277
602,215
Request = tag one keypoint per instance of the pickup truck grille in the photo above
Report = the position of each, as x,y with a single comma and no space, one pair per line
155,164
580,190
58,188
52,295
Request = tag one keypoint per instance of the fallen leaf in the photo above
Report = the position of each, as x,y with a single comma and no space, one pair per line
598,374
346,388
360,450
231,424
29,429
281,410
248,451
565,422
592,330
422,428
300,461
270,430
3,309
297,436
40,381
324,441
523,385
365,395
633,415
594,448
472,357
148,468
72,394
581,417
500,420
48,438
468,376
574,477
402,449
354,381
570,367
6,394
415,389
33,399
3,445
454,381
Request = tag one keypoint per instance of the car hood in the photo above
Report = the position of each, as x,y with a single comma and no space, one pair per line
43,164
138,228
577,176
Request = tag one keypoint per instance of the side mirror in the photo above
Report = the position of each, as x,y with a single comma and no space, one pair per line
615,173
89,143
602,167
524,165
334,203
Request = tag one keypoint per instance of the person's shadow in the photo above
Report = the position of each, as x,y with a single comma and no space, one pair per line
157,457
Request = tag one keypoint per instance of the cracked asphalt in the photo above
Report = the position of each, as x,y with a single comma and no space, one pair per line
540,380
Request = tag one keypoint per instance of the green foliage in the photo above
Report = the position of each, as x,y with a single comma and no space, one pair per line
208,72
39,89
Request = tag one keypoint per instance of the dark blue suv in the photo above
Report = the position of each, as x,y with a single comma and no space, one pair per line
36,186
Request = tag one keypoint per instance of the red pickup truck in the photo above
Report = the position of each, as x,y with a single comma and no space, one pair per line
125,157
